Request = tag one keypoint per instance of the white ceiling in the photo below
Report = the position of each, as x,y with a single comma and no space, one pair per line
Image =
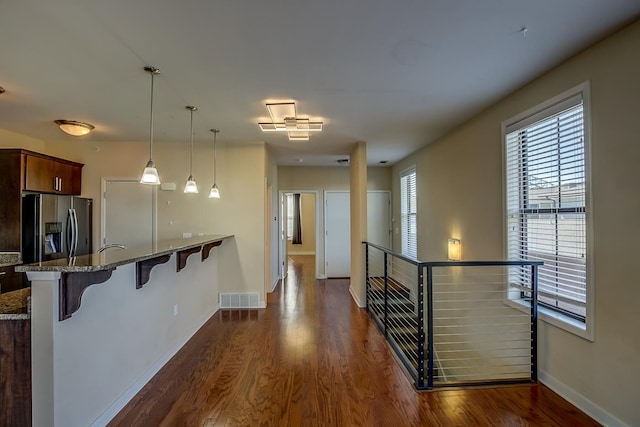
396,74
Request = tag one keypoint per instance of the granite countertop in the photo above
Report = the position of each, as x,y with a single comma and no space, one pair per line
15,305
112,258
8,259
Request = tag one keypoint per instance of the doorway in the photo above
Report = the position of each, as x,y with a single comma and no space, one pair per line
310,222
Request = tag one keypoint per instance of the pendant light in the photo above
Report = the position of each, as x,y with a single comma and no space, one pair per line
214,193
191,186
150,174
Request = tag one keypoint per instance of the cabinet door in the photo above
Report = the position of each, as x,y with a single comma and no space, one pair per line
46,175
10,280
40,174
69,179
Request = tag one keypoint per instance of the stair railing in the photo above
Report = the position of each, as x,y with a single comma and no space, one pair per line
481,317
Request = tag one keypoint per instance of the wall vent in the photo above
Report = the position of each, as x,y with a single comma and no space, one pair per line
246,300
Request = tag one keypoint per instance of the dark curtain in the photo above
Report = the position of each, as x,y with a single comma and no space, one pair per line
297,226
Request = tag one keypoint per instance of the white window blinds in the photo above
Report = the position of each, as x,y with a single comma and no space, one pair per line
408,213
546,202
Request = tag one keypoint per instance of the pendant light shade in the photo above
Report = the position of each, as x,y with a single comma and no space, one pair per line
215,192
191,186
150,174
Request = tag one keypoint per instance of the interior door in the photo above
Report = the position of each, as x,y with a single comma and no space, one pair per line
337,234
128,213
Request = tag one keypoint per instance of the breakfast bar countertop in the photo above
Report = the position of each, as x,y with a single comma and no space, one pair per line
113,258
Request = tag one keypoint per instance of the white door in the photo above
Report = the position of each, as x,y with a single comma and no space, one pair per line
337,234
128,213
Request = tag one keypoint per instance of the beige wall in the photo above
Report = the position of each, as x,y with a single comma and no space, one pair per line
273,242
308,210
329,178
459,179
358,199
15,140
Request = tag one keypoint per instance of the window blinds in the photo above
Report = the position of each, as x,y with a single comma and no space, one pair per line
408,213
546,200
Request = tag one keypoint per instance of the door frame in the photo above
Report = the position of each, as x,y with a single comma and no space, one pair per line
103,207
318,220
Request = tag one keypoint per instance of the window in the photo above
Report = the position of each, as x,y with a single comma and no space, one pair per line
546,194
408,213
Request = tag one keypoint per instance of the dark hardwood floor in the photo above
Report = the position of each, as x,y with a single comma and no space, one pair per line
313,358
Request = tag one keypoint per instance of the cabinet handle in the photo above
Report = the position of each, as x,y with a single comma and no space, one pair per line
55,183
59,184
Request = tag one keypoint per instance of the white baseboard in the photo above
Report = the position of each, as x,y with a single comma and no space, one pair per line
302,253
587,406
130,393
321,276
355,298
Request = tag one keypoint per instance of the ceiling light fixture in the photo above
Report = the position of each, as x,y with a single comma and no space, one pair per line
191,186
285,119
73,128
215,192
150,174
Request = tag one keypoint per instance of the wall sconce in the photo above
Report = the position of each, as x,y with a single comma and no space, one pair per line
455,250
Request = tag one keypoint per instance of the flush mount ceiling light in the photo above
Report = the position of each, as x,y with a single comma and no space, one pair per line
74,128
285,119
191,186
150,174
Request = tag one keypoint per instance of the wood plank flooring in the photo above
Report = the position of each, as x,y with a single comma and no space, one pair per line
312,358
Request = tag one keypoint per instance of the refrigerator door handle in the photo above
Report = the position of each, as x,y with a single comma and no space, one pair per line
69,233
75,232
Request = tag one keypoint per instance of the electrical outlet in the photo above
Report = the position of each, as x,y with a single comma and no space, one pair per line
175,309
186,235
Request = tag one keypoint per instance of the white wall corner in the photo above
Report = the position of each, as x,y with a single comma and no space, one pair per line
274,284
584,404
354,295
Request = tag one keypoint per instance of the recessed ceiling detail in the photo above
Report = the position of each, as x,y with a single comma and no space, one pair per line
285,119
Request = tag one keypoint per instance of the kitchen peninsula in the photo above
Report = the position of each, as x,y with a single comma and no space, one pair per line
103,324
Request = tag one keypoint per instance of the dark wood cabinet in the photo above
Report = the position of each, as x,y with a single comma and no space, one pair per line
10,280
23,170
51,175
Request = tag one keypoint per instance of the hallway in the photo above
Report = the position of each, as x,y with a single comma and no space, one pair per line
313,358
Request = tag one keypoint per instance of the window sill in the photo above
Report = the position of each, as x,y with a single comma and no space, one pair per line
556,319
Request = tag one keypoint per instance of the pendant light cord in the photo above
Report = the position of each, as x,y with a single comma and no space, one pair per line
191,150
215,169
151,120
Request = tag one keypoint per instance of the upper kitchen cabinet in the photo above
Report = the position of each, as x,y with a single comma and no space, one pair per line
22,170
46,174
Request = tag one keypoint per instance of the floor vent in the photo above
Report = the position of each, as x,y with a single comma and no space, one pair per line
247,300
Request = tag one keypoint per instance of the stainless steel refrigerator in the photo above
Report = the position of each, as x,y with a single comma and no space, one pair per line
55,227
